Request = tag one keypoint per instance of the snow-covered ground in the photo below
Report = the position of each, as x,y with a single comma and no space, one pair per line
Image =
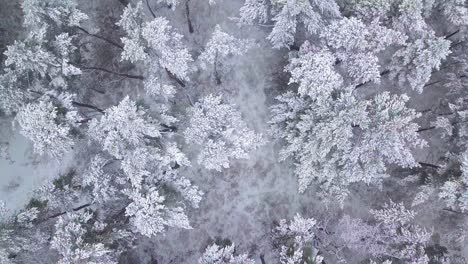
21,173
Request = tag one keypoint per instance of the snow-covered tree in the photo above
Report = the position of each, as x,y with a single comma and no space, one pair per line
220,48
153,42
72,244
11,97
254,11
410,17
148,170
62,12
26,217
372,9
19,235
296,241
35,56
123,127
455,11
357,45
218,128
413,64
393,236
167,43
101,182
49,131
215,254
455,191
286,15
30,55
148,160
41,62
335,138
313,69
341,141
392,130
352,35
151,217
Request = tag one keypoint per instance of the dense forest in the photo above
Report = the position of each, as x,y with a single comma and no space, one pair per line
233,131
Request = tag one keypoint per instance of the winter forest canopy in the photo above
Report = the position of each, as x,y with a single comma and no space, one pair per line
234,131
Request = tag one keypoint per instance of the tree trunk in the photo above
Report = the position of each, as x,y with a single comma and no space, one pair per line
216,74
138,77
187,13
172,76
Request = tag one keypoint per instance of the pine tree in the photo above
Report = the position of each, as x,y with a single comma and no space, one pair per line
372,9
340,141
413,64
41,63
123,127
454,192
153,42
411,17
296,241
102,184
151,217
62,12
220,48
357,45
455,11
215,254
287,14
70,242
11,97
313,69
393,236
252,11
46,127
219,130
149,162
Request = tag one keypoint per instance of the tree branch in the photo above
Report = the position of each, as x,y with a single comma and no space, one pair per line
64,212
150,9
452,211
432,83
172,76
88,106
169,128
138,77
115,44
429,165
425,129
98,91
452,34
385,72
